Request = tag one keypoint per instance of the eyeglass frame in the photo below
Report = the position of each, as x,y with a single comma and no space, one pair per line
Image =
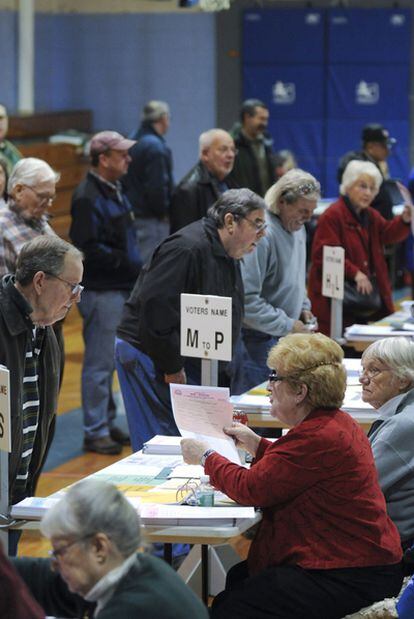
259,227
56,554
274,377
372,373
41,198
75,289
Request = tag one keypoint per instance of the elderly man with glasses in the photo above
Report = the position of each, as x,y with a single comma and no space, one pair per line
45,285
274,277
32,190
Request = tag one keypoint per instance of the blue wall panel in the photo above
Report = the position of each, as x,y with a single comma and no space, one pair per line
113,64
290,91
283,36
368,91
8,71
305,139
380,36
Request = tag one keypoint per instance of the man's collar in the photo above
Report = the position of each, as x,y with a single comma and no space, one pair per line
113,186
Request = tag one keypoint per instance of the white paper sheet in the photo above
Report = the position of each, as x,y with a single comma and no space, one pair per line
202,413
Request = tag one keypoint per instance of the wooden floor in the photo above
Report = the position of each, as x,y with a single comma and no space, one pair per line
32,543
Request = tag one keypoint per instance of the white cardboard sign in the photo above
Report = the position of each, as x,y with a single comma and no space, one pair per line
206,326
5,425
333,272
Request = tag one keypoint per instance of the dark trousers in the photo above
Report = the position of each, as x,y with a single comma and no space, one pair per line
291,592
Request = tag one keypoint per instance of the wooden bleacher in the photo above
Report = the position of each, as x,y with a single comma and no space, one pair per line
30,133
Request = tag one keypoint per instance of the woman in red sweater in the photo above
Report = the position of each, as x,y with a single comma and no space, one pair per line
353,224
325,546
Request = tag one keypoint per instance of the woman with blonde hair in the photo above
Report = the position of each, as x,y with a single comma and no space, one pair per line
325,546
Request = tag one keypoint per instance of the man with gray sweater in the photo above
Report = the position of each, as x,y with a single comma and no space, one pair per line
274,277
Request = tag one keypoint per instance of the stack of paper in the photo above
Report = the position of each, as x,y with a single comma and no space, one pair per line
159,444
367,333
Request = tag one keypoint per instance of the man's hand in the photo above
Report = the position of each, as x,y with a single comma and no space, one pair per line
192,450
299,327
178,377
244,436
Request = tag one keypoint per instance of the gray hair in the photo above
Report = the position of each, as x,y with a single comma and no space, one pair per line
44,253
154,110
92,506
354,170
292,186
31,171
207,138
239,202
397,353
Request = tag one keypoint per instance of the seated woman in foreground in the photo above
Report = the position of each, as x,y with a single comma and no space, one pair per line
325,546
95,533
387,380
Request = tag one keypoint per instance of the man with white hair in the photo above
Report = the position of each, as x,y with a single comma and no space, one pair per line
206,181
274,277
32,190
149,181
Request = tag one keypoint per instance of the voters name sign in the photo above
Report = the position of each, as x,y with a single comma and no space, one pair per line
333,272
206,326
5,429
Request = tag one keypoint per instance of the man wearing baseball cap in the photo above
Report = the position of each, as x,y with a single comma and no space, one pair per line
376,148
102,228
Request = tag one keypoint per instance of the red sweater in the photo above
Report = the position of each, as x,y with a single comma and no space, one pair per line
318,488
339,227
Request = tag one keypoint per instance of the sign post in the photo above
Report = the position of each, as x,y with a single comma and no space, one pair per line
5,449
206,332
333,270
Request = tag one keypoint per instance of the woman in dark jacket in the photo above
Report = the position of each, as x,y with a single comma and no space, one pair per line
353,224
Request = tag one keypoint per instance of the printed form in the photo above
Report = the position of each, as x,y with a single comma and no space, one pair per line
202,413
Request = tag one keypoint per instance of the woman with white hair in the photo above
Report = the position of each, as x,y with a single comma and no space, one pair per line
274,276
353,224
95,534
387,380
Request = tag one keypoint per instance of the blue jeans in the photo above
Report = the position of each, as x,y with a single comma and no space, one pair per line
101,313
146,396
150,232
250,360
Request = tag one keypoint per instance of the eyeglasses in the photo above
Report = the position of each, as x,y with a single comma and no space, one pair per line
57,553
274,377
74,288
43,198
260,226
365,187
372,372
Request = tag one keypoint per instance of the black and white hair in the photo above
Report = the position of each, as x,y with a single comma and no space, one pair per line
44,253
92,506
239,202
154,110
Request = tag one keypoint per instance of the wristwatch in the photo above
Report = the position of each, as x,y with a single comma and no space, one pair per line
205,455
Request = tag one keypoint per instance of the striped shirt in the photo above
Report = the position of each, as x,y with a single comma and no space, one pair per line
30,408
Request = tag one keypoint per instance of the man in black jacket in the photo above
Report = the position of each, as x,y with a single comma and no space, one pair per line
376,148
201,258
253,167
206,181
46,284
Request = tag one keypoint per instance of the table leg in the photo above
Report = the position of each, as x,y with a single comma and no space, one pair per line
168,553
204,573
